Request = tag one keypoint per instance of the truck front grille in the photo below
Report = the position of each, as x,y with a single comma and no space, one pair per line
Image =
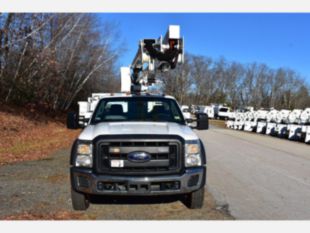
164,156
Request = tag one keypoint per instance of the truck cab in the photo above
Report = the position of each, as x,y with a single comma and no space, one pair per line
223,113
137,145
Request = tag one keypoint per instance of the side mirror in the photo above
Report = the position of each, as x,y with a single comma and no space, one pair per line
72,121
202,121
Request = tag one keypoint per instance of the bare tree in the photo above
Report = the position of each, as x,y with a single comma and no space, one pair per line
238,85
178,82
53,59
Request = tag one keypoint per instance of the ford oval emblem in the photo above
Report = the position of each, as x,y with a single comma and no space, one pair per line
139,156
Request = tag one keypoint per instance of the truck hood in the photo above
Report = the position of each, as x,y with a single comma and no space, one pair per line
134,128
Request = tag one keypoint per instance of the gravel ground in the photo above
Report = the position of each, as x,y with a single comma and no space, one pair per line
41,190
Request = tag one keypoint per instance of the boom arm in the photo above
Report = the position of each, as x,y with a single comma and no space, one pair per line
153,55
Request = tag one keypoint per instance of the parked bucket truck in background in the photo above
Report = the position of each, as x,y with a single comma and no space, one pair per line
294,126
271,122
305,121
282,121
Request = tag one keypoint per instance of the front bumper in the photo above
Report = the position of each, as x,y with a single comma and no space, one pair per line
85,181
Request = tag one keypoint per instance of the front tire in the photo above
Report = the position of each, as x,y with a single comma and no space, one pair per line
79,201
195,199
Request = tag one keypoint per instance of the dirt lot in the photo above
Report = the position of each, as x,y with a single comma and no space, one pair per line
41,190
217,123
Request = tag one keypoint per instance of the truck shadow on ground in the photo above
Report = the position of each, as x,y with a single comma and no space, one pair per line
135,200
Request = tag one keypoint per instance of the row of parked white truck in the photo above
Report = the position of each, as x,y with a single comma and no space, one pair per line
290,124
214,111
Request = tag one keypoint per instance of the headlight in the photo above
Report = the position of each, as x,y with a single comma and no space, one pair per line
84,157
84,161
84,149
192,148
192,154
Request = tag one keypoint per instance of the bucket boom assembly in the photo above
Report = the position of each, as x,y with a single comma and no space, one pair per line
153,55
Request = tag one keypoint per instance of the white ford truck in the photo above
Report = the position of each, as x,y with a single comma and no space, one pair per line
137,145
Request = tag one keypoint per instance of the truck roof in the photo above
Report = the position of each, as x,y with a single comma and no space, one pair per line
145,95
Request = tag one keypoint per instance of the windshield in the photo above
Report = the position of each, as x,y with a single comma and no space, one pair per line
137,109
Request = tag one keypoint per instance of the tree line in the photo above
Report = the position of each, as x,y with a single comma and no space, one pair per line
52,60
202,80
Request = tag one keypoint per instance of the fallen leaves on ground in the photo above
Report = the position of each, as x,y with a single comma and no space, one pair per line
58,215
27,135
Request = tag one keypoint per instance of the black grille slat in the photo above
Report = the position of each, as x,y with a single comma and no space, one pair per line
165,161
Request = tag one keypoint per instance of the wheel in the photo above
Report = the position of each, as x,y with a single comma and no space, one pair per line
195,199
79,201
